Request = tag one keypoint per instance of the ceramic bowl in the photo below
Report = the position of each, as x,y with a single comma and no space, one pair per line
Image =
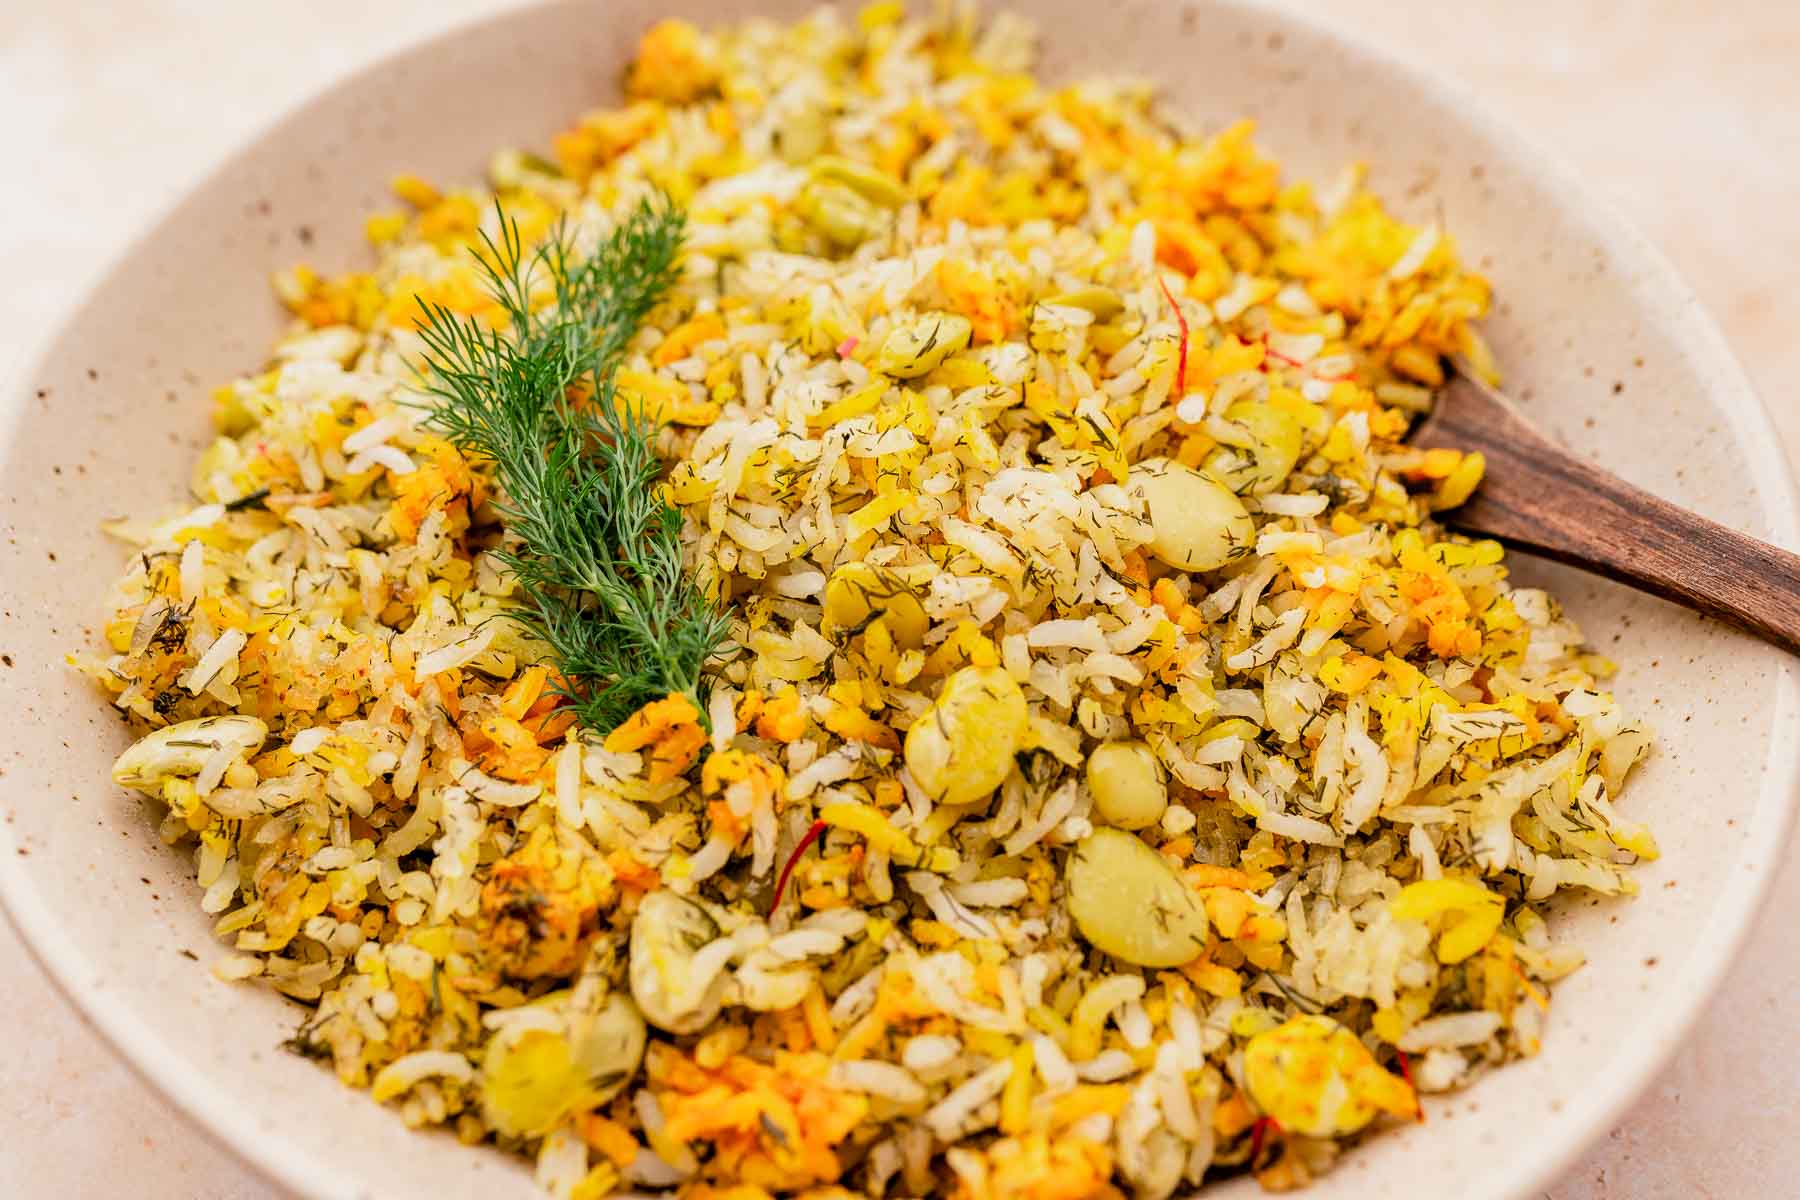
1602,343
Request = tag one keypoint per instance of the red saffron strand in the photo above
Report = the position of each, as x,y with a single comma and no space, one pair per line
1272,352
1406,1074
1180,388
1258,1132
812,835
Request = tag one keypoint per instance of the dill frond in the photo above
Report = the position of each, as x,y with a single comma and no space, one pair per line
595,549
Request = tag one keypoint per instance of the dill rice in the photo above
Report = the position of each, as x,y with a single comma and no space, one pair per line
866,625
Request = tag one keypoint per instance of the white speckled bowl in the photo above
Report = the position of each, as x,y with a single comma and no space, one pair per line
1602,342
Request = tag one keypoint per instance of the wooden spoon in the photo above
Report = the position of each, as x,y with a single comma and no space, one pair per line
1539,497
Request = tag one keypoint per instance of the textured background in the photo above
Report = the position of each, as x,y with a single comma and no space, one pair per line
1684,113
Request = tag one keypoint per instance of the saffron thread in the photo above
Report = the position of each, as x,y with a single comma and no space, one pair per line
1406,1074
1180,388
1259,1132
812,835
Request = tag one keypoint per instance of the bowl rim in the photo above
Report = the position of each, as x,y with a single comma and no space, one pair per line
1776,804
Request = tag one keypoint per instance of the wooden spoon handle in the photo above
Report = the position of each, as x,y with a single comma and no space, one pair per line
1539,497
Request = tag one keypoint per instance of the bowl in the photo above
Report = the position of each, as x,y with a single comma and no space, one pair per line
1602,343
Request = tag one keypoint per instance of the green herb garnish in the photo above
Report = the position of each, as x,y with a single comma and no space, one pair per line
594,547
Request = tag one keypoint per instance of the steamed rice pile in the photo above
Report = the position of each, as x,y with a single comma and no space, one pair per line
920,389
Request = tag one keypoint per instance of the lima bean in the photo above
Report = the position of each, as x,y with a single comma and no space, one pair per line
1127,784
917,347
1271,439
858,593
1128,901
1196,522
962,748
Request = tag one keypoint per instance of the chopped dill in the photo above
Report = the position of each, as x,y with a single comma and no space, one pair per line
594,547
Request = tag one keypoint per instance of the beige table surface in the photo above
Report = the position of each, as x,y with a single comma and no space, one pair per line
1685,113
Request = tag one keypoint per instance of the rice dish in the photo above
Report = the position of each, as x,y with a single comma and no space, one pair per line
1115,778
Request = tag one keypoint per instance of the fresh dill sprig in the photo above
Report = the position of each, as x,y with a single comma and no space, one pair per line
595,549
